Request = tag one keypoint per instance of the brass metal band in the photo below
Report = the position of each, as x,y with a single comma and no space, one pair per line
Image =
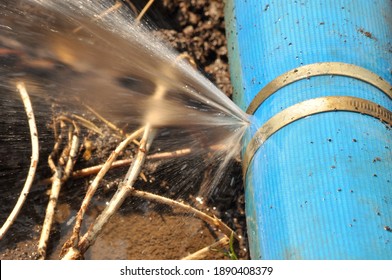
312,107
319,69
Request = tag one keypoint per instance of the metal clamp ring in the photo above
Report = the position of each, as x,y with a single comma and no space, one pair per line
312,107
319,69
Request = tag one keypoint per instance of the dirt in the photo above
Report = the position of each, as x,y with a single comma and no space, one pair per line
200,32
141,229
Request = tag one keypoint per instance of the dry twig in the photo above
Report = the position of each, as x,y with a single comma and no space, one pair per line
125,187
118,198
75,247
88,171
92,170
73,241
201,254
144,11
115,7
104,120
95,169
34,159
59,177
88,124
201,215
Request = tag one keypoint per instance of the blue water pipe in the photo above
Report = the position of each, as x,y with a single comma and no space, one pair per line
320,186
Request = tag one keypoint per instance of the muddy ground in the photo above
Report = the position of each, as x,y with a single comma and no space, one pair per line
141,229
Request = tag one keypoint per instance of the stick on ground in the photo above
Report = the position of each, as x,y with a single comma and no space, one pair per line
115,7
145,9
125,187
34,159
201,254
201,215
73,241
59,177
118,198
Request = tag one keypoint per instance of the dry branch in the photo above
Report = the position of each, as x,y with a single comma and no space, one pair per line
115,7
34,159
118,198
88,124
59,177
92,170
104,120
201,215
202,253
144,10
73,153
126,186
82,121
76,247
45,232
166,155
124,162
73,241
95,169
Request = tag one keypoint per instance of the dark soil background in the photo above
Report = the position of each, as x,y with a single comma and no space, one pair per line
141,229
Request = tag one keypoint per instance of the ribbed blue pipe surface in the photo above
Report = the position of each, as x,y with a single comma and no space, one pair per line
321,187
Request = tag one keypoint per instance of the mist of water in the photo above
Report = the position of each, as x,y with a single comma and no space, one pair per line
68,54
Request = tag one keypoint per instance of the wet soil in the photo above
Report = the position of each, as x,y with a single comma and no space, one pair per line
141,229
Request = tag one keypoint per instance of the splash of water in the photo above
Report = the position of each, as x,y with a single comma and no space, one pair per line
67,53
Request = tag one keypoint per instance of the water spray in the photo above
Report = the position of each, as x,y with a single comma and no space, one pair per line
91,63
